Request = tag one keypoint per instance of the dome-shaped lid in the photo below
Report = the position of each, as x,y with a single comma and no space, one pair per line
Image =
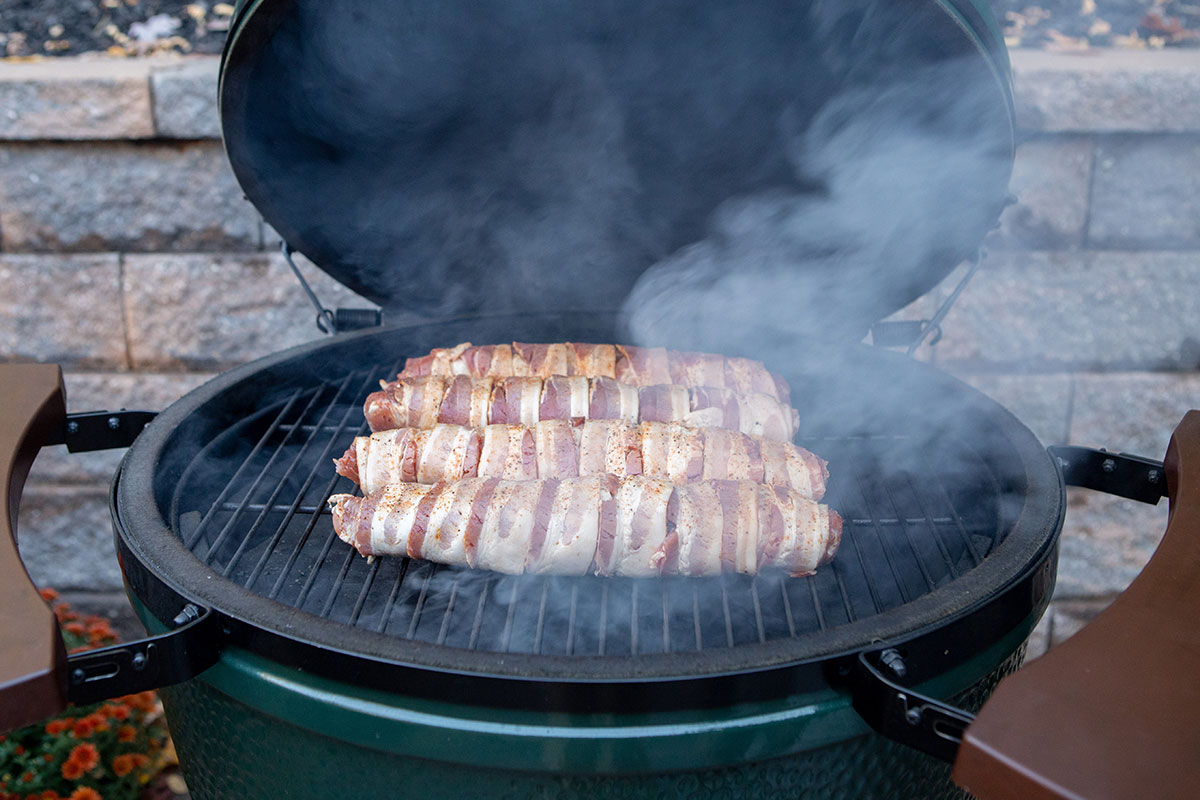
820,163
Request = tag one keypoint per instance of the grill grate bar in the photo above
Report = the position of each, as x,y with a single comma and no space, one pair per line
633,621
254,485
282,482
812,588
758,617
477,624
887,554
976,557
912,546
841,584
441,638
541,619
190,542
291,510
297,549
372,571
666,626
728,620
938,541
571,619
416,615
696,619
603,616
327,607
390,604
322,557
508,620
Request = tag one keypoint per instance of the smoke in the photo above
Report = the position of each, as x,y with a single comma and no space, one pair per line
901,173
746,178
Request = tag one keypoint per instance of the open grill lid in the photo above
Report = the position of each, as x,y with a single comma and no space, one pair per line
449,157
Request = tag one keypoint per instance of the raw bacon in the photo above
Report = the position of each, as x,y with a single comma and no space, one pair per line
425,401
637,366
634,526
569,448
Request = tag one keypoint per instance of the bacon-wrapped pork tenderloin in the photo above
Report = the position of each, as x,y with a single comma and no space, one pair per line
636,366
462,400
568,448
634,526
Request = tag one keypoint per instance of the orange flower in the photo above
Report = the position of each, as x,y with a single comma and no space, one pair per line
75,628
19,750
48,594
82,728
57,726
122,765
143,701
71,770
47,757
115,711
126,733
140,760
27,777
85,793
99,723
50,794
86,755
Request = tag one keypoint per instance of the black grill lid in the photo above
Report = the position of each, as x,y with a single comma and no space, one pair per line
451,156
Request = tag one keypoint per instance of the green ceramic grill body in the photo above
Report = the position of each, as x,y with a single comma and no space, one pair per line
253,728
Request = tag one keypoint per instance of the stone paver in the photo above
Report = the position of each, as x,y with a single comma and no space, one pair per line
1132,412
185,100
1068,617
1090,310
1039,639
201,311
1108,91
85,99
61,309
1106,541
66,540
122,196
1050,181
92,391
1146,193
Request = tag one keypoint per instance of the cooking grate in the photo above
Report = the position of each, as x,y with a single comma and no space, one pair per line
251,505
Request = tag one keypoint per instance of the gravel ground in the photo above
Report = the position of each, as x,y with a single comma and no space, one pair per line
138,27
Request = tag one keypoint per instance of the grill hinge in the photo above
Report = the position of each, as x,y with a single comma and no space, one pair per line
911,333
1134,477
131,667
899,713
100,430
336,320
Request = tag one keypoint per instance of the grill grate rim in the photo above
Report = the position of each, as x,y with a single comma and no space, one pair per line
245,533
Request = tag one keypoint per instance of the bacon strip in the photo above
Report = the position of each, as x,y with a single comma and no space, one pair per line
634,526
637,366
425,401
563,448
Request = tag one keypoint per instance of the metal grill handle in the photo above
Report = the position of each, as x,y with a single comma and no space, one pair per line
1111,712
37,677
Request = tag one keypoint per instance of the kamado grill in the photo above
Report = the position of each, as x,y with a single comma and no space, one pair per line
400,146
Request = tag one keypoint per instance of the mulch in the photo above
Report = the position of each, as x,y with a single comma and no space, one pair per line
38,28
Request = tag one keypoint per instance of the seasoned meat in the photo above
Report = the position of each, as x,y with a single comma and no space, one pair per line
634,526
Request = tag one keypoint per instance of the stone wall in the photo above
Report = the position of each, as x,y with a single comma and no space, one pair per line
129,256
